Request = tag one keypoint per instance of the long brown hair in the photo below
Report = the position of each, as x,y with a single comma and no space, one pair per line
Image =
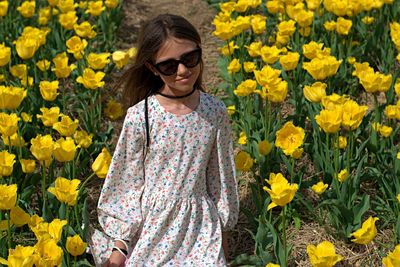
139,80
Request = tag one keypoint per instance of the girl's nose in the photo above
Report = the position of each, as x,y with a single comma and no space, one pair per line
182,69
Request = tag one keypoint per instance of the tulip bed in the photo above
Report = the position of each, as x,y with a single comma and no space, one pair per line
54,124
313,90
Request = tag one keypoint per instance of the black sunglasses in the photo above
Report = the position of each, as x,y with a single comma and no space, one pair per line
170,66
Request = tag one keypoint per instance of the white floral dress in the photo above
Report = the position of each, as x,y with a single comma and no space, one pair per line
173,205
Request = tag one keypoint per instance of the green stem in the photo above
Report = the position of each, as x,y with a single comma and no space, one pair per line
84,183
8,229
284,235
44,187
74,261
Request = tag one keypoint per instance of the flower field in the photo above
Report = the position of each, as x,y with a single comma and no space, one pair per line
55,57
313,90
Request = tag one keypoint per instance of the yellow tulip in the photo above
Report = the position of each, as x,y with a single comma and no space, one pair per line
75,245
352,115
95,8
254,49
68,20
50,254
83,139
342,142
7,161
113,110
351,60
312,49
258,23
319,187
35,220
90,79
366,233
228,49
67,126
49,116
19,217
275,93
26,47
329,120
16,140
289,61
85,30
322,67
55,229
343,26
8,196
98,61
43,65
333,101
289,138
272,265
264,147
8,124
28,165
26,117
249,66
396,85
323,255
231,110
44,15
245,88
304,18
234,66
27,9
242,138
385,131
342,175
270,54
48,90
393,258
5,53
243,161
64,149
267,76
102,163
120,58
42,147
65,190
281,191
20,257
287,27
315,92
64,5
3,8
76,46
11,97
111,3
62,69
368,20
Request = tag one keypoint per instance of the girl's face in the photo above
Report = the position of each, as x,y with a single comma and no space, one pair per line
185,77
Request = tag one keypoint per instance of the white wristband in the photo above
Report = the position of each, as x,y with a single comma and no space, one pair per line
123,242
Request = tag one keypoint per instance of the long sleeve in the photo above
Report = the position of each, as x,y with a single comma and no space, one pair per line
221,174
119,207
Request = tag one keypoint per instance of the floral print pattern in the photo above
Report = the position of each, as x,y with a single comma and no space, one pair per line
173,203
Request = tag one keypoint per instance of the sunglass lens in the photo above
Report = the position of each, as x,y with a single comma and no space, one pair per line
191,59
168,67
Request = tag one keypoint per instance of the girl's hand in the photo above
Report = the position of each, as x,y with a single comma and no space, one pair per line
116,260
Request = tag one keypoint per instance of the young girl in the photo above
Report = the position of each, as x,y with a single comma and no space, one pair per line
170,193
